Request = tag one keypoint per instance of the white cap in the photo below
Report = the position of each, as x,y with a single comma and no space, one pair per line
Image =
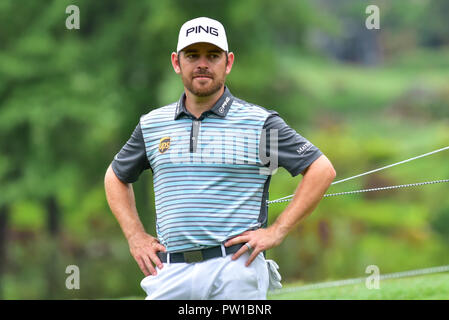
202,30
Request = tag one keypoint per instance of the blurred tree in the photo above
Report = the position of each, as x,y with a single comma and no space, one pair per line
435,32
4,215
69,100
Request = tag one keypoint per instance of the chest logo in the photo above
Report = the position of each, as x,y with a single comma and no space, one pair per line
164,144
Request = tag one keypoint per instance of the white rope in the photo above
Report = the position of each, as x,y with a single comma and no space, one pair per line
392,165
345,282
373,189
372,171
395,275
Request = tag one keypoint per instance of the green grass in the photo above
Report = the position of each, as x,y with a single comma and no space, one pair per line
424,287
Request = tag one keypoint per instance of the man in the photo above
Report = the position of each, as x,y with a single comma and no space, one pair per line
209,154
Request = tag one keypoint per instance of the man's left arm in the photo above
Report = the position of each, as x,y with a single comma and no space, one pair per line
317,179
297,155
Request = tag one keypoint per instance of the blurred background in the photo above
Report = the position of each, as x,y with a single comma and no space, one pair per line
69,100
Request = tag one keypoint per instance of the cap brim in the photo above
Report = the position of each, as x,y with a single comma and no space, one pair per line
191,44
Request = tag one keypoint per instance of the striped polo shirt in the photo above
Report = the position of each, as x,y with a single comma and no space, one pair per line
210,183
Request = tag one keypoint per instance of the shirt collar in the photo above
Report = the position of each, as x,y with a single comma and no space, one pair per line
220,108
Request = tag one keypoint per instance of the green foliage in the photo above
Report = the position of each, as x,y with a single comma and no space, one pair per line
69,99
427,287
440,222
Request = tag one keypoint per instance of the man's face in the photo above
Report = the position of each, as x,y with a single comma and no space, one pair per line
203,68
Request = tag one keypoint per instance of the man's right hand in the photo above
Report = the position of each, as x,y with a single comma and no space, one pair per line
143,248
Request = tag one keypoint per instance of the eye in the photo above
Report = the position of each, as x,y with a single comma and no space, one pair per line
191,56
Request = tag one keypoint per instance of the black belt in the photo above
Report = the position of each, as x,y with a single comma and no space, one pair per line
197,255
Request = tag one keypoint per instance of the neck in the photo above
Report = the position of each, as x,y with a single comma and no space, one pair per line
197,105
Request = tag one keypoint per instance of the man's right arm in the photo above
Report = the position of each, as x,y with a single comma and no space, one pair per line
121,200
125,169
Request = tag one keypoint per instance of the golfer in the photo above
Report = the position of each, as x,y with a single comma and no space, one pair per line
212,156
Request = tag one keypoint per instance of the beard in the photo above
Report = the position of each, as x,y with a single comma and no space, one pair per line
205,90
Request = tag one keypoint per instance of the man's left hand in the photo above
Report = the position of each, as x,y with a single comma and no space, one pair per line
259,240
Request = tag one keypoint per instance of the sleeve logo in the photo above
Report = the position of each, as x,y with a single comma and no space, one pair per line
304,148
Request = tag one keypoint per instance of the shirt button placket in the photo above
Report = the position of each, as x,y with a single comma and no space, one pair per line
194,135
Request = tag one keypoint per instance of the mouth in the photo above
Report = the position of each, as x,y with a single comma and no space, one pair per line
202,77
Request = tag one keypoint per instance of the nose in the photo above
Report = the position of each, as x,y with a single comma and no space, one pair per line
203,63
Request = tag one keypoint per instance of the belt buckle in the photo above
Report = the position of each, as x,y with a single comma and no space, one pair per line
193,256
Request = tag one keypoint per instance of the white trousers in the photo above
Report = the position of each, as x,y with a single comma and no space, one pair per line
214,279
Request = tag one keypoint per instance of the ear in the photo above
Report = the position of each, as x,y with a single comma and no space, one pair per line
175,62
230,62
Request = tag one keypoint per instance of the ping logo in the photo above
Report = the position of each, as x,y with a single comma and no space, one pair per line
213,31
221,110
164,144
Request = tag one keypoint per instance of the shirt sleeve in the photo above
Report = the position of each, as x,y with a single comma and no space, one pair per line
294,152
129,163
